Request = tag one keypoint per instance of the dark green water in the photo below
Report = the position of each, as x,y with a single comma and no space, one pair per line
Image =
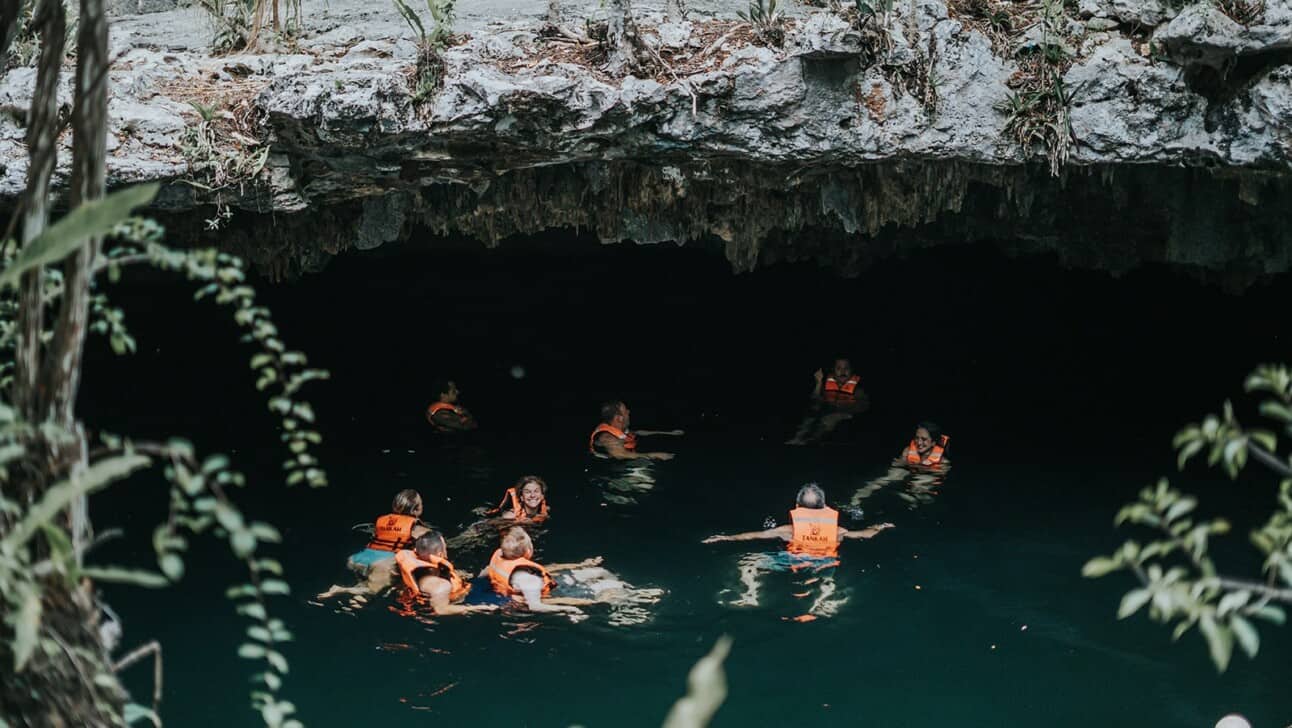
1061,391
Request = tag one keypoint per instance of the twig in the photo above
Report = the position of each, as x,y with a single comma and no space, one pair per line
686,86
715,45
152,648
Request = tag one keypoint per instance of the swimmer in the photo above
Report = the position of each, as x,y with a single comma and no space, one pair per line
528,498
924,463
426,571
813,537
613,440
927,451
445,414
524,502
512,573
835,399
396,530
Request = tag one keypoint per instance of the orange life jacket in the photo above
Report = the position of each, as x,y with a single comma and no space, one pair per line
934,457
393,532
628,438
518,508
409,564
816,531
440,407
835,392
500,570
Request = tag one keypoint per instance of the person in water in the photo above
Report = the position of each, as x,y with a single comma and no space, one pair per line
394,531
613,440
835,399
427,572
924,462
445,414
927,451
524,502
513,573
812,541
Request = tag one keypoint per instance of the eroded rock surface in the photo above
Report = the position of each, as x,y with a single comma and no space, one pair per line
764,151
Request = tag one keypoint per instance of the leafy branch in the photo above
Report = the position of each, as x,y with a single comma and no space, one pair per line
1179,581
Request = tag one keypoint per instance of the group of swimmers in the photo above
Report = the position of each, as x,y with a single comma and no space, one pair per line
405,547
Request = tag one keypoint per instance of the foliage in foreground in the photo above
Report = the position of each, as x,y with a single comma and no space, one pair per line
1179,581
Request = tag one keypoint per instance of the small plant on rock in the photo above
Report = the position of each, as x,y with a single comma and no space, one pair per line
431,44
766,20
238,24
1243,12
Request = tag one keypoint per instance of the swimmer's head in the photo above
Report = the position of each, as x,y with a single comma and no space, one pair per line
927,434
407,503
516,544
430,543
842,368
531,490
615,414
445,390
811,496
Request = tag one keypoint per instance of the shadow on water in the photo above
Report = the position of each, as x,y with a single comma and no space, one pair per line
1062,390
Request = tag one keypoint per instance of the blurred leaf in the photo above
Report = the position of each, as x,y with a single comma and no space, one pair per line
59,496
1277,411
26,624
251,651
243,543
133,713
90,219
1181,507
1132,601
1220,641
1271,613
172,566
706,690
1188,451
118,575
1099,566
1248,639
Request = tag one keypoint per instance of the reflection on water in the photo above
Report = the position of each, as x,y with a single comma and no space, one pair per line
810,579
622,483
918,488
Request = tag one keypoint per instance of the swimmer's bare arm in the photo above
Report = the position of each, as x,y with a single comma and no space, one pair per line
782,532
867,532
438,591
660,432
531,588
614,447
450,420
819,376
594,561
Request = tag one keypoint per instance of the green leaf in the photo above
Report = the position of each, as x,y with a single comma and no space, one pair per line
1099,566
1271,613
172,566
1232,601
1220,641
26,625
118,575
96,477
1187,452
214,463
133,713
274,586
1248,639
1132,602
251,651
243,543
90,219
1277,411
256,632
266,532
239,591
228,517
255,610
1181,507
277,660
1265,439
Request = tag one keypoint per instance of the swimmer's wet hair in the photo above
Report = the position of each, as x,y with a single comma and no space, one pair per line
524,479
935,432
609,409
516,544
811,496
430,543
405,501
439,388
